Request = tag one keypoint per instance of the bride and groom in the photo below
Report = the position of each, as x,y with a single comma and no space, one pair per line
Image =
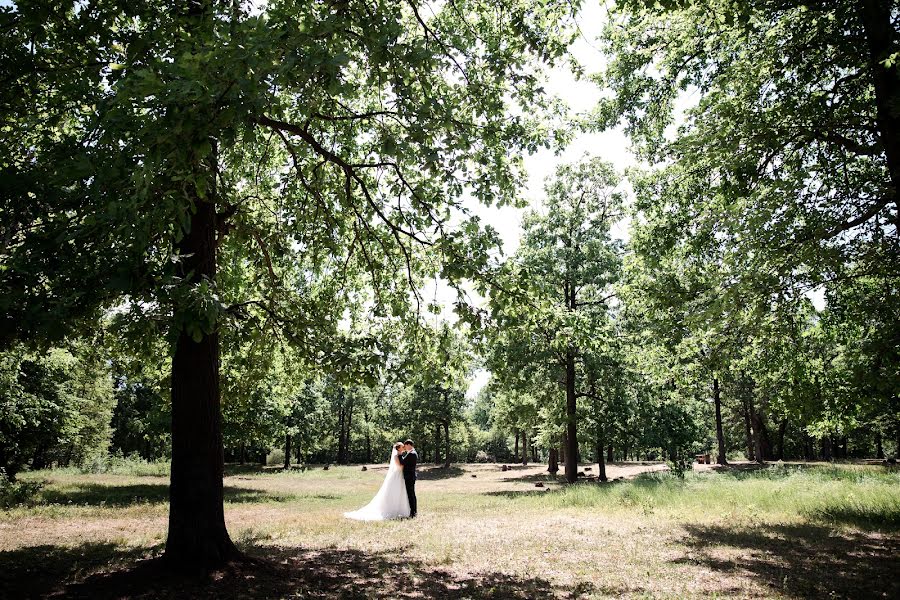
396,497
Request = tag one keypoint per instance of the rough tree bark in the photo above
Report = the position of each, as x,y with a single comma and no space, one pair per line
197,535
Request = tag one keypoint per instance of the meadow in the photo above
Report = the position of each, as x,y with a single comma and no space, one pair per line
787,530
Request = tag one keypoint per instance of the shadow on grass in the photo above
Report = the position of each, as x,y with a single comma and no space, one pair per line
94,494
800,560
103,571
429,473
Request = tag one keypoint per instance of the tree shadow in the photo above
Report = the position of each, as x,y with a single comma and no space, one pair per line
105,571
95,494
429,473
800,560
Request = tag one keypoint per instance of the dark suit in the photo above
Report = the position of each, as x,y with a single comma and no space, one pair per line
409,460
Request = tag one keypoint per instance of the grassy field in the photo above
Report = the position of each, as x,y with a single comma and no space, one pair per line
784,531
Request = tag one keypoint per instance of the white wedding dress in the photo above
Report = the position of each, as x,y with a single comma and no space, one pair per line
391,501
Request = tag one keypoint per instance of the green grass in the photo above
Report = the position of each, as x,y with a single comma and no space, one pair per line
868,498
783,531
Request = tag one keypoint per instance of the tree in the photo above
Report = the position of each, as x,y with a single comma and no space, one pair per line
552,312
154,154
56,406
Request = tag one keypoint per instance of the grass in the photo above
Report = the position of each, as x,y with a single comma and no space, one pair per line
783,531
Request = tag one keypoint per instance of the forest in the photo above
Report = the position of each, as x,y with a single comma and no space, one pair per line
257,238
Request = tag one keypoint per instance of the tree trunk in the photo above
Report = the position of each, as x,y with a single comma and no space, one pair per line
571,427
298,450
553,461
368,438
516,448
437,443
720,433
341,451
446,444
781,429
877,17
287,451
243,458
524,448
601,465
197,536
826,448
534,456
879,450
610,454
562,448
751,455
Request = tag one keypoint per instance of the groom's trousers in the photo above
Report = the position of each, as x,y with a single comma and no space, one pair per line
411,493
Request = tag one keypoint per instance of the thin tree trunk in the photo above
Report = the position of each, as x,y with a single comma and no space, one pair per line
524,448
720,433
879,450
516,448
197,535
751,455
571,426
437,443
781,429
534,456
243,458
447,444
601,465
287,451
368,438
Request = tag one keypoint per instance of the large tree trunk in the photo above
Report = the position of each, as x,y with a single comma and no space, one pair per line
571,427
197,535
553,461
876,17
446,444
720,433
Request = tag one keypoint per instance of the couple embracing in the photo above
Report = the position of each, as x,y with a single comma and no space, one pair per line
396,498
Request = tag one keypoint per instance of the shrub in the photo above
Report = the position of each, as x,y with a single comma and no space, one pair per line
13,493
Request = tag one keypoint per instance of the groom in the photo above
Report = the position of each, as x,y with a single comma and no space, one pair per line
408,459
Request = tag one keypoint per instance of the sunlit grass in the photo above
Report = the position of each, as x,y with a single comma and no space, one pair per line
655,529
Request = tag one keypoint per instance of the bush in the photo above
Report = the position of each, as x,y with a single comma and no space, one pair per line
275,457
117,464
13,493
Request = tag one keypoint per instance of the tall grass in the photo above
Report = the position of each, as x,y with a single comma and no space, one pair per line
867,498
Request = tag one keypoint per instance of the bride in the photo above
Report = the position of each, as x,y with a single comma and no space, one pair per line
391,501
